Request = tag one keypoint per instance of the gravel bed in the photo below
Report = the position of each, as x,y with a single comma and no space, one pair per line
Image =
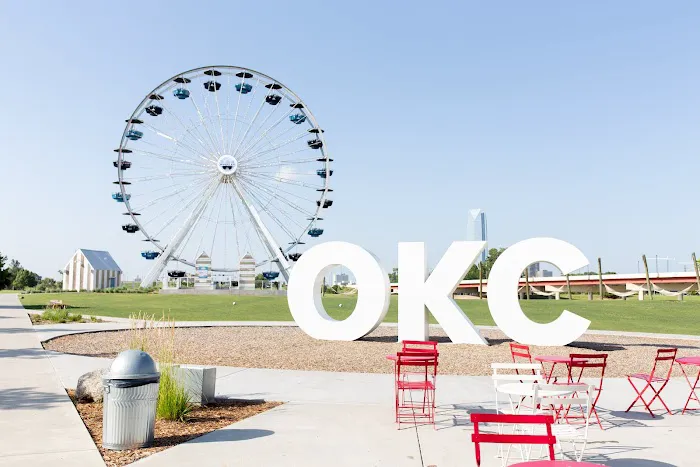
290,348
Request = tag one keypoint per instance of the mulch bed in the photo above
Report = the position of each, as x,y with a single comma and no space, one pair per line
202,420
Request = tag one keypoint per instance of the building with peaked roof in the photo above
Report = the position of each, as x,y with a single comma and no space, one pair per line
91,270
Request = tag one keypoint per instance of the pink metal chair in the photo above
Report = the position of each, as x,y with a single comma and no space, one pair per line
415,378
663,357
497,438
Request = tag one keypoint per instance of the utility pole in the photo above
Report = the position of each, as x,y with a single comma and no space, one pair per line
697,273
568,286
481,281
527,284
646,270
600,278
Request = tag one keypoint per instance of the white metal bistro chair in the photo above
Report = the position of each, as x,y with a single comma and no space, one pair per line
525,374
579,402
507,373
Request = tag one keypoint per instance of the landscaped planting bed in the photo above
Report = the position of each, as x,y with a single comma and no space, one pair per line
201,420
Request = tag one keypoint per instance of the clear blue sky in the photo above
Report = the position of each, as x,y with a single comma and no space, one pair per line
572,120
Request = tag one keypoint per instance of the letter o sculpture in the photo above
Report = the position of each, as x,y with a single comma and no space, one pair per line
304,291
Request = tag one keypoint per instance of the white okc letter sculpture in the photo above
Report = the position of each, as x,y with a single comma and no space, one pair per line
304,292
417,290
503,299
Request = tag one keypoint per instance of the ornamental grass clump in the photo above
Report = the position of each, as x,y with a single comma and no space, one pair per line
173,400
157,337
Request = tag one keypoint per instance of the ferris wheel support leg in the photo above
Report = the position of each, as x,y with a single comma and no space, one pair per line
165,256
270,242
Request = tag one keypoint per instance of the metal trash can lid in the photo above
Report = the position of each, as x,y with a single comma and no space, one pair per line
132,364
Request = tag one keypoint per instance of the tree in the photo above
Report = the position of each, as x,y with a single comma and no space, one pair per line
48,283
394,275
493,255
5,277
24,279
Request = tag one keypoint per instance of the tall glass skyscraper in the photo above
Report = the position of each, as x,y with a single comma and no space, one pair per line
476,228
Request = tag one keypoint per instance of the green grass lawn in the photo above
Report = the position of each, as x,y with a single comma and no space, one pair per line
661,315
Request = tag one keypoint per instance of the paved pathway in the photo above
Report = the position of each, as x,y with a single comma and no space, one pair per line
346,419
38,423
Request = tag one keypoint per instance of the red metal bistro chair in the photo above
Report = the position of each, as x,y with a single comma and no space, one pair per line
415,378
520,352
593,363
663,357
497,438
419,346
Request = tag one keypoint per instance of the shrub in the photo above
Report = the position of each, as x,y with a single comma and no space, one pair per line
60,316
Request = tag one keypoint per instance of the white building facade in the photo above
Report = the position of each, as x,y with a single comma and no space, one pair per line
246,274
91,270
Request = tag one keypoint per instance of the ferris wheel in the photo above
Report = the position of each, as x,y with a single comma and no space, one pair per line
226,162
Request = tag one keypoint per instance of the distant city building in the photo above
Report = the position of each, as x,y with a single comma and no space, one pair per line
246,275
91,270
203,268
545,273
533,270
341,279
476,229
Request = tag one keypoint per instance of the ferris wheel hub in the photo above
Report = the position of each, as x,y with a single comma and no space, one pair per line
227,164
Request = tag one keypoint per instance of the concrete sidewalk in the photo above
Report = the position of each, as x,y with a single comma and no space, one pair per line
346,419
38,423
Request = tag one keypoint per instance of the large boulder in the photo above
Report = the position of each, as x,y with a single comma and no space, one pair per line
89,387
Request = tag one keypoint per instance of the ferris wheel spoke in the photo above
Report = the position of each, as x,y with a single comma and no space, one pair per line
202,121
264,133
247,110
274,187
177,143
169,158
280,162
181,249
221,125
169,208
169,195
210,119
281,198
168,113
184,208
208,221
216,225
253,156
269,198
251,124
265,207
235,118
229,199
256,175
269,140
149,178
267,117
